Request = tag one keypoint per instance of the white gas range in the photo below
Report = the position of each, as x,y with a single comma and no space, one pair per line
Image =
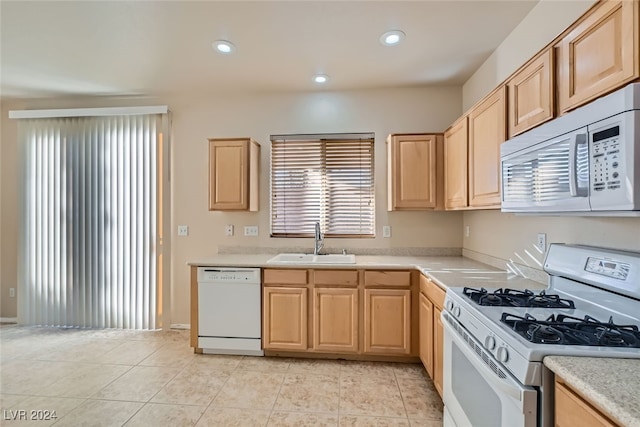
495,340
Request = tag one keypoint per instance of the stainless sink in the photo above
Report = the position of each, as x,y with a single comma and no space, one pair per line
313,259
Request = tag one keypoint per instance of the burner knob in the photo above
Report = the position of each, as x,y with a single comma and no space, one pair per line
450,306
456,311
502,354
490,342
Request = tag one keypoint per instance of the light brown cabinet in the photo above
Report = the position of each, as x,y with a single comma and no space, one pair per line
432,330
285,318
438,350
414,171
233,174
487,130
342,312
531,94
426,334
572,410
455,165
599,54
387,321
335,320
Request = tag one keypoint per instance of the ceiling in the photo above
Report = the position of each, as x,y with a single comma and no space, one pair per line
163,48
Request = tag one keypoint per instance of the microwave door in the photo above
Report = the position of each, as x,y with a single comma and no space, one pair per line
552,176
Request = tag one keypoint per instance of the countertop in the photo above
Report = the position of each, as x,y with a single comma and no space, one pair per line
612,385
445,271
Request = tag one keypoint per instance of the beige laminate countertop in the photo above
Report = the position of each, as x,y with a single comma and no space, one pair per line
445,271
613,385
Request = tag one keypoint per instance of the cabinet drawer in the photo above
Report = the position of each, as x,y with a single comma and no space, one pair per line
336,277
432,291
387,278
284,277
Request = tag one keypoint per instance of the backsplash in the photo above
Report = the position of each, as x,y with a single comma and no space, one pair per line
247,250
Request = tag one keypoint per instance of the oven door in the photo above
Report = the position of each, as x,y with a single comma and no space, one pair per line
477,391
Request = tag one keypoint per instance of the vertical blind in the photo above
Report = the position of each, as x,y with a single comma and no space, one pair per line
322,179
89,232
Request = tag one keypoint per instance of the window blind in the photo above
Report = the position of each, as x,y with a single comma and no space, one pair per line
90,232
323,179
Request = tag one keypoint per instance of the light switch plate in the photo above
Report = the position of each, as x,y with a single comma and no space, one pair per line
228,230
183,230
251,230
386,231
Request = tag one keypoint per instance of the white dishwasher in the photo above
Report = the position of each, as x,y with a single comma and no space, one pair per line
229,310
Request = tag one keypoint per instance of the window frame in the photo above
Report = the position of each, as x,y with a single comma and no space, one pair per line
326,183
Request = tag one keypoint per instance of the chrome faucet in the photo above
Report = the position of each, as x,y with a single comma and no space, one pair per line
319,243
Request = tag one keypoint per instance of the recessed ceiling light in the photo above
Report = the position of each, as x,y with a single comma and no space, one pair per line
320,78
392,38
224,46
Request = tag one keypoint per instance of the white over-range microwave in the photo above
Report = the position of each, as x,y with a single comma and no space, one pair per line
586,162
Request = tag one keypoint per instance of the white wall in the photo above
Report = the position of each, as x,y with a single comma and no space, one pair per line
507,236
196,119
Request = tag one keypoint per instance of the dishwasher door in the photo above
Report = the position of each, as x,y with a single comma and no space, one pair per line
229,311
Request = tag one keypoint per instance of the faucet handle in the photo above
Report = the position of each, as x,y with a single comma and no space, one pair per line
344,252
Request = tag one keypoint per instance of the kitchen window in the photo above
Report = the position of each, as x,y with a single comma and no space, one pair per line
325,178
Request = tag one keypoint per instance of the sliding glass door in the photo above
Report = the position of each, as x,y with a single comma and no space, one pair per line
91,230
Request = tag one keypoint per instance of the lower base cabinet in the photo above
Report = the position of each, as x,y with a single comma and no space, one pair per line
432,330
572,410
339,312
438,350
387,321
285,318
335,320
426,333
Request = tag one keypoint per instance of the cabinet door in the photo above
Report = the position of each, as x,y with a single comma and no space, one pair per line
285,318
600,54
387,321
335,320
572,410
426,334
234,173
228,175
455,165
412,172
487,130
438,349
530,93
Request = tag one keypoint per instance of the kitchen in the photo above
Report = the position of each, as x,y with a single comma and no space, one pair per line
416,109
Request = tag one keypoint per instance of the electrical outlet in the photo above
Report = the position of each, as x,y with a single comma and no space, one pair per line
183,230
228,230
386,231
541,243
467,231
251,230
12,292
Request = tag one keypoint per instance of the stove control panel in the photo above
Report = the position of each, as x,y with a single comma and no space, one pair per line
608,267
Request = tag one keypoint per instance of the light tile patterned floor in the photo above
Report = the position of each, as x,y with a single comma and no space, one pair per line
134,378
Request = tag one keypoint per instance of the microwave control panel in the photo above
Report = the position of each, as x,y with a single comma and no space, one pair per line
606,166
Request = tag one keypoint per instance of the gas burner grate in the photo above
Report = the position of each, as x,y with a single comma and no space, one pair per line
569,330
516,298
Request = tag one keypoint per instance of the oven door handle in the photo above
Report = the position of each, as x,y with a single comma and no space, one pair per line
484,370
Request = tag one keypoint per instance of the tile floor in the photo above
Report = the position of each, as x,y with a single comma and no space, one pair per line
133,378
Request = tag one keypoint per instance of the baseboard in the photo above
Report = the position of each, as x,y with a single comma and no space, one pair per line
8,320
180,326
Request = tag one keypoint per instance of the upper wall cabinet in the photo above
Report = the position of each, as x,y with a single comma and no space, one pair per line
599,54
233,174
487,130
455,165
530,90
414,170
